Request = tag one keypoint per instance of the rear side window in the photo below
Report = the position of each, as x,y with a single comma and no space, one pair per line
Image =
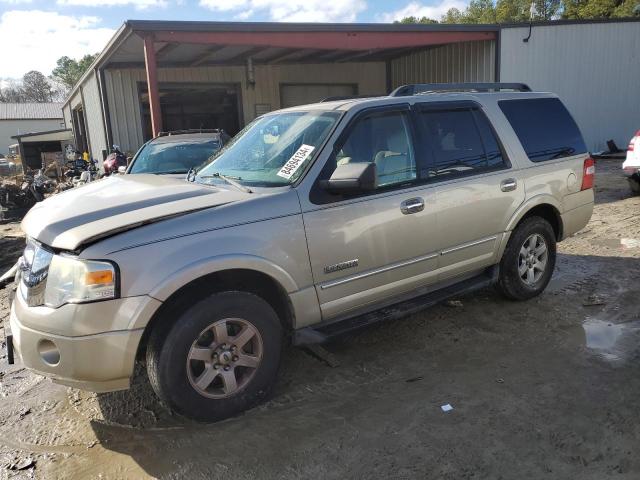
544,127
461,141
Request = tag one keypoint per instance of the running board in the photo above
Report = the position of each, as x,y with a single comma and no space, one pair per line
323,332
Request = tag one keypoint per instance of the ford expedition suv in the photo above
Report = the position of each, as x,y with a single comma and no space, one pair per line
313,220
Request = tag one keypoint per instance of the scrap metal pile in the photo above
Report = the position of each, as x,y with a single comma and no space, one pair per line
20,192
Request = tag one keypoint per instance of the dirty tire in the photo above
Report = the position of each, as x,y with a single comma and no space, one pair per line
170,345
510,283
634,184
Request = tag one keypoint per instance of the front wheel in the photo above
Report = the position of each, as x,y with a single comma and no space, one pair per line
528,261
219,358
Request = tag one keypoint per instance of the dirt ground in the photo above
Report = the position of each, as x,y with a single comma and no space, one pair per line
548,388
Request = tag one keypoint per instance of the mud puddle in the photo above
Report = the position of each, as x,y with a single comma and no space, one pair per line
610,341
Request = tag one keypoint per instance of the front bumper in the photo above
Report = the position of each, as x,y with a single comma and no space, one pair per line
99,362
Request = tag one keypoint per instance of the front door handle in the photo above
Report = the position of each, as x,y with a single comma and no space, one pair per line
508,185
412,205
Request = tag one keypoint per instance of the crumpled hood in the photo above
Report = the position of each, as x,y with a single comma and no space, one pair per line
99,209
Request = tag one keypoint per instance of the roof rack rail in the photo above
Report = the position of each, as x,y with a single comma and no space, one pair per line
190,130
419,88
347,97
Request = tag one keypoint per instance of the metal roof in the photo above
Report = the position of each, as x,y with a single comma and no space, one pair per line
30,111
191,44
60,134
191,26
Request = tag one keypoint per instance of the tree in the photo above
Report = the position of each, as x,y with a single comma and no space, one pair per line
628,8
480,11
453,15
546,9
12,93
417,20
36,87
512,11
68,70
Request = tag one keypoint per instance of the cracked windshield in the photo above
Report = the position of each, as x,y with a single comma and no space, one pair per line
273,150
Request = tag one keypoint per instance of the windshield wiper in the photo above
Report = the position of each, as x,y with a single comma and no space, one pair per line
229,180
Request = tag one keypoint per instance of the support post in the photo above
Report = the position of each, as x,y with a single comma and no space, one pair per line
152,84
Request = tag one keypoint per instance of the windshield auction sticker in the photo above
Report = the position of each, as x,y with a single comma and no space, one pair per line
297,159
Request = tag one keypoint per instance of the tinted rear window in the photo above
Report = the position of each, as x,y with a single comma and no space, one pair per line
461,141
544,127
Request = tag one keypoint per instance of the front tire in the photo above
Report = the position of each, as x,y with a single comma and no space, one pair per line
528,261
219,358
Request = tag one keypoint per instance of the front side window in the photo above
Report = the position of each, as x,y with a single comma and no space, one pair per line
544,127
461,141
273,150
384,139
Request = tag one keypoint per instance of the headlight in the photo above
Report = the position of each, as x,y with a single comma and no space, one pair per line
71,280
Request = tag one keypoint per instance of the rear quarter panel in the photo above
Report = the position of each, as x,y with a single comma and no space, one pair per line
553,182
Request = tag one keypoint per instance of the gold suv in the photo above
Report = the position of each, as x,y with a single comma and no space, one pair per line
311,221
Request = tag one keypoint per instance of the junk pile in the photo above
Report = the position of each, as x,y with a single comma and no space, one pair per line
22,190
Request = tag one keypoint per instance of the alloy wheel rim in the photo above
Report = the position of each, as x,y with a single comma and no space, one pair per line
532,259
224,358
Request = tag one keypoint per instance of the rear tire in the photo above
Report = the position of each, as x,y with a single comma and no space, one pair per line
528,260
219,358
634,184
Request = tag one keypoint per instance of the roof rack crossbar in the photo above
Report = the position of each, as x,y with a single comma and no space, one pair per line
420,88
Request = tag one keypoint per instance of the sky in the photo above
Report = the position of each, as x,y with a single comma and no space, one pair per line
35,33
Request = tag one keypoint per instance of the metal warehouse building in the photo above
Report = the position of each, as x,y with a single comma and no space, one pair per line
159,76
23,118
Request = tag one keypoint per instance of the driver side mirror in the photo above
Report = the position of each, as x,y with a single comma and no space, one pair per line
352,178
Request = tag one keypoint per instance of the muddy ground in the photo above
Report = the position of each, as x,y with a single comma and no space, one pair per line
548,388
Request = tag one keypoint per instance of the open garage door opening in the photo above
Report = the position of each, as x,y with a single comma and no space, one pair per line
193,106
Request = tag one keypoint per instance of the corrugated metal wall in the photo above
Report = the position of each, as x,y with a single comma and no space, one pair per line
9,128
593,67
66,112
455,62
124,104
93,117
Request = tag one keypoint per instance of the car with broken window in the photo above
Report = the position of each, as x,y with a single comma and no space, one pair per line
312,221
177,152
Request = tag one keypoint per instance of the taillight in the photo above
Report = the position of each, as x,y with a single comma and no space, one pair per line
588,173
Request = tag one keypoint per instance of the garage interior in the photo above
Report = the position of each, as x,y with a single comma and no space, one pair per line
32,146
193,106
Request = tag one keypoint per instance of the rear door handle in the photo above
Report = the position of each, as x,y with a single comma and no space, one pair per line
508,185
412,205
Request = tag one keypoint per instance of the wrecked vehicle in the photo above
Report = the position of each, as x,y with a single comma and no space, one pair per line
313,220
176,153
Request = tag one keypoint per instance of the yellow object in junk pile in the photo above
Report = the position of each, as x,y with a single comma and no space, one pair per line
85,156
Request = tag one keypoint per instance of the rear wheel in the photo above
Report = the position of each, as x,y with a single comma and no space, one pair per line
528,261
634,184
219,358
